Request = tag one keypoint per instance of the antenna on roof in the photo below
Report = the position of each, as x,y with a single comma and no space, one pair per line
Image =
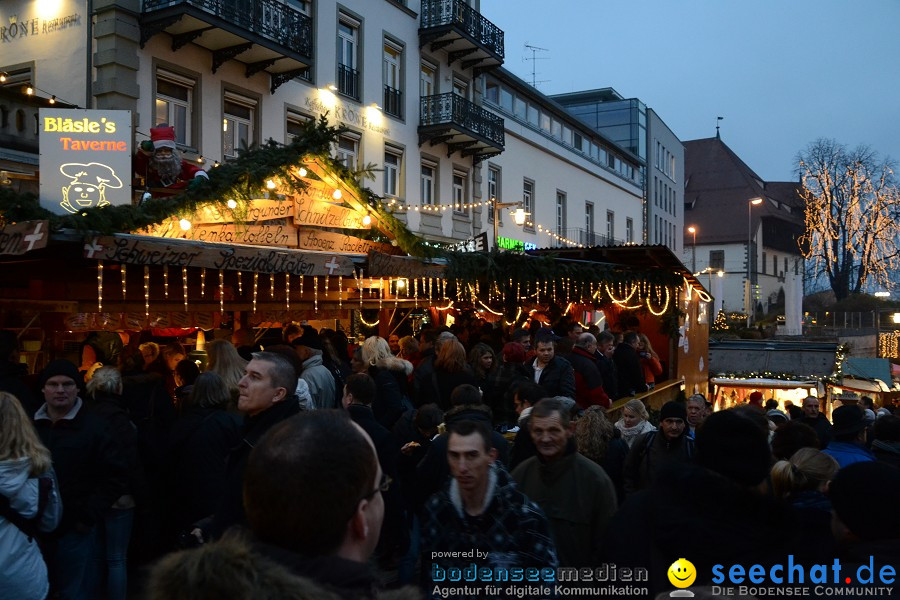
534,59
717,127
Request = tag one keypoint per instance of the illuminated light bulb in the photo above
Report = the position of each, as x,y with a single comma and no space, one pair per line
200,160
337,194
367,220
185,224
270,184
232,204
215,164
52,99
401,284
302,172
29,90
2,77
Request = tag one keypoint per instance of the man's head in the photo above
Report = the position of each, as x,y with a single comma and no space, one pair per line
173,354
811,407
59,384
573,331
632,339
756,400
853,491
470,454
527,394
544,349
849,423
308,344
521,336
313,486
394,343
268,379
550,428
465,394
587,342
359,388
672,417
696,409
606,343
292,332
732,444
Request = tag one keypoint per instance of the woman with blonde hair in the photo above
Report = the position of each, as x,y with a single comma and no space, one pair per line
649,360
391,375
803,482
26,476
222,358
634,421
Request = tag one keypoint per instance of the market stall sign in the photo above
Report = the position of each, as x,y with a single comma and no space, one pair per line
85,159
514,244
384,265
138,250
326,241
317,213
23,237
260,209
284,235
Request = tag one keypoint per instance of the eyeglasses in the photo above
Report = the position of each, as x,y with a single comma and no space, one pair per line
383,486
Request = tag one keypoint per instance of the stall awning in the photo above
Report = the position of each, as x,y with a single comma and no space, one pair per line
760,382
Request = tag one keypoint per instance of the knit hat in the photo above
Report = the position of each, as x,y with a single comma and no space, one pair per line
862,484
734,446
310,339
776,416
163,136
847,419
756,398
869,416
60,366
673,410
514,352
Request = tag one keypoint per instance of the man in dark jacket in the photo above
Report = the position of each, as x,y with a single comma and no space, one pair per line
480,507
631,379
653,451
588,381
551,372
90,468
606,346
816,420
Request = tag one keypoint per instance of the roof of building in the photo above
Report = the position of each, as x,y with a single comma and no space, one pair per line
719,187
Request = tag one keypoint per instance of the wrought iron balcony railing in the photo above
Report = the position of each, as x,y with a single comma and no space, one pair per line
393,101
456,113
441,15
348,81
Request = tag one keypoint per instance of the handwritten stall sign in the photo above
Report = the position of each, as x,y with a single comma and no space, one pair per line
85,158
324,214
384,265
260,209
23,237
138,250
255,235
325,241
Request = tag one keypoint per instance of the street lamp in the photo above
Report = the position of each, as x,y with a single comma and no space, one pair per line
519,219
753,202
693,231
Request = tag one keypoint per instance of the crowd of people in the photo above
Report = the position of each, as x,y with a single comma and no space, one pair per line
316,468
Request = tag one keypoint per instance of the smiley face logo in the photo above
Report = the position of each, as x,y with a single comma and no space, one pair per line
682,573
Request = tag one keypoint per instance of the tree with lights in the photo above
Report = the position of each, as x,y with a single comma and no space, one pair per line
852,205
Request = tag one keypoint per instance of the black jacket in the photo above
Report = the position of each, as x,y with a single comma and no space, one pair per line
631,379
124,434
391,379
557,378
89,466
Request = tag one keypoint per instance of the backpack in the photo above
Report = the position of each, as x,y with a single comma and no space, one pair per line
28,526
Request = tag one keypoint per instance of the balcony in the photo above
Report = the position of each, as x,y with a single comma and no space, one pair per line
265,35
463,126
460,30
348,81
393,102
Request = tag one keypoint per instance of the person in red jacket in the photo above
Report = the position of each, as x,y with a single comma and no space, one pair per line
158,161
588,380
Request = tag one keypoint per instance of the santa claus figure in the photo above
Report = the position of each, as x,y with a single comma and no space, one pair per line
160,163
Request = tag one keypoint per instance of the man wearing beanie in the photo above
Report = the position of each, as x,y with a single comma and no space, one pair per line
90,469
848,436
655,449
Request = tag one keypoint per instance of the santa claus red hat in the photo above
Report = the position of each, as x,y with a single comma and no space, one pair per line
163,136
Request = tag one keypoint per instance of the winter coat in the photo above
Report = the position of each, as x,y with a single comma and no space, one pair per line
124,433
320,380
89,466
652,453
391,377
885,451
609,373
578,498
234,567
199,445
822,426
440,385
629,434
630,373
512,531
23,573
588,381
651,366
847,453
557,378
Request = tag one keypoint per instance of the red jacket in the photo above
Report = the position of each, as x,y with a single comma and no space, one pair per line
588,381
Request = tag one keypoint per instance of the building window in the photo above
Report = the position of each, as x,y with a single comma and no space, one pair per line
393,158
459,191
494,194
391,67
295,122
174,104
427,77
763,264
528,203
427,183
301,5
561,213
774,265
610,225
348,150
237,124
492,92
717,259
348,44
629,230
589,222
461,87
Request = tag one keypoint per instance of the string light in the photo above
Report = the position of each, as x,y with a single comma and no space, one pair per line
287,292
232,204
270,184
356,275
665,305
489,309
240,284
381,294
124,278
184,285
184,224
327,282
203,282
442,308
337,194
166,280
221,291
301,286
271,286
315,293
255,288
340,292
146,291
366,323
99,286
